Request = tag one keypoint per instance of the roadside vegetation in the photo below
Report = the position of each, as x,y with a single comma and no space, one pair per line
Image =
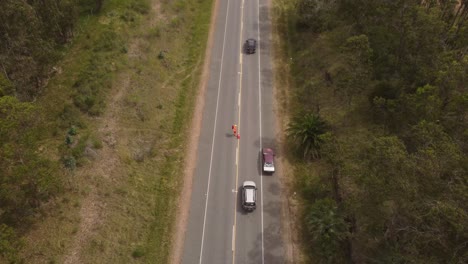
95,99
377,127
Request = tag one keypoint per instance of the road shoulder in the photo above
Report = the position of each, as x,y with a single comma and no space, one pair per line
191,158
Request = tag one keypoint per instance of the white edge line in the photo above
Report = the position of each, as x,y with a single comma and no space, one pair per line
214,134
260,123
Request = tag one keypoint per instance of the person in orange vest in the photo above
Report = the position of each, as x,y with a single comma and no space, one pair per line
234,129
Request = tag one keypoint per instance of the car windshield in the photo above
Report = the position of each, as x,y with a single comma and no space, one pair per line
268,164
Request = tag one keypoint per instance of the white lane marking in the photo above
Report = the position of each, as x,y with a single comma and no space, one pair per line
260,123
214,133
238,141
237,156
233,238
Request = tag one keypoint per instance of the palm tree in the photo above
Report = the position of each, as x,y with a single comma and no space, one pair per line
305,131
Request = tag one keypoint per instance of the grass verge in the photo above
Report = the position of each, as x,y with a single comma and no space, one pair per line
128,85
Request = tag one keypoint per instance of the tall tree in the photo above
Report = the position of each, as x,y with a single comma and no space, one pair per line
353,76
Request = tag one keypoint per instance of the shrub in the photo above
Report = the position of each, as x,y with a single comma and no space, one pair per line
9,244
138,252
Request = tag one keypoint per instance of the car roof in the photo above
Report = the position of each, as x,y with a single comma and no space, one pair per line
268,154
250,195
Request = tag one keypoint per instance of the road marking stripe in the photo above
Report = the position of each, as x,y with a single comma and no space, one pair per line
214,133
233,238
238,141
260,123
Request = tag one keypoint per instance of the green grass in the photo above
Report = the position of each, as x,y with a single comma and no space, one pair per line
119,50
159,241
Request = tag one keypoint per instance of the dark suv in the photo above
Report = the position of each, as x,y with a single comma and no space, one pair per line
249,196
250,46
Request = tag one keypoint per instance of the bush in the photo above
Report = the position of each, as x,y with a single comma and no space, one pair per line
316,15
138,252
142,6
9,244
90,87
327,228
69,162
70,116
6,86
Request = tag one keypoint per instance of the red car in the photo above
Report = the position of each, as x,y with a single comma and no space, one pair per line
268,160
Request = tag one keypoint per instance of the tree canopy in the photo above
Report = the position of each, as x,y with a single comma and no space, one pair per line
33,36
389,78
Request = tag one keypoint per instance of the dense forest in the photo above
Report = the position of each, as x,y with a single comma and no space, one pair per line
34,37
379,125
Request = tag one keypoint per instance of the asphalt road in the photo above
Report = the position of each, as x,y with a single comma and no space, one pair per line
239,91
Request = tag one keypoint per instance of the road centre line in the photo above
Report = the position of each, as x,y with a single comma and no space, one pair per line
214,133
233,237
239,124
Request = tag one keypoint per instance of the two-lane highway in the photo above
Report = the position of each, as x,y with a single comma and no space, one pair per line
239,91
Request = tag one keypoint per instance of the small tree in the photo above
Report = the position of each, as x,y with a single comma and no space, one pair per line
327,228
315,15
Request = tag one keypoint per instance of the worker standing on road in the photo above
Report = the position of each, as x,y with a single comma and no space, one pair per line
234,129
